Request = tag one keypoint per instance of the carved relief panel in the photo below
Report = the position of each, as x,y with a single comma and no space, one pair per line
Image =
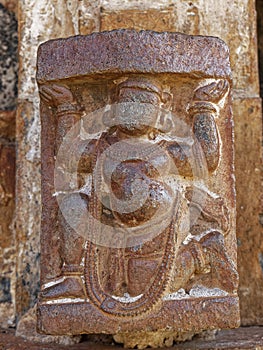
138,218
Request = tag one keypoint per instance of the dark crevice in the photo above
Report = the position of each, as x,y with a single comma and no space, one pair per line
8,59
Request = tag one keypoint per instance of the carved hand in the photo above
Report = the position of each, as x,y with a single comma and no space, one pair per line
56,95
213,92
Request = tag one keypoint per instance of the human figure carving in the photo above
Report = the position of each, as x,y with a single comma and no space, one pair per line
201,258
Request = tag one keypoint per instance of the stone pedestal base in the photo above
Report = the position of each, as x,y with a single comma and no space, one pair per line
189,315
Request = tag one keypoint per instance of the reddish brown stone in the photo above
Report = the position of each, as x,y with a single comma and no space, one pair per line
168,260
122,52
7,206
7,124
7,193
185,315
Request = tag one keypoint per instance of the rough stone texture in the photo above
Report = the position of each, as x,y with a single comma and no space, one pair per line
177,316
259,4
195,17
237,17
111,53
10,5
154,19
233,21
39,21
89,16
142,340
7,242
8,94
245,338
199,259
8,59
259,8
7,125
26,328
248,141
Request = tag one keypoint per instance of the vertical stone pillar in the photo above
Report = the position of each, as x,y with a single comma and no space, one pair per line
38,21
7,207
8,89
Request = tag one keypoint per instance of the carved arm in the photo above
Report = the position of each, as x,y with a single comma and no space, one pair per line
203,111
68,115
61,98
205,131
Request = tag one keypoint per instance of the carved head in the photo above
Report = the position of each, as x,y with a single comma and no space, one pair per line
135,105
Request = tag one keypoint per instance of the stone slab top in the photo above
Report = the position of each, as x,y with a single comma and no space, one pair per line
128,51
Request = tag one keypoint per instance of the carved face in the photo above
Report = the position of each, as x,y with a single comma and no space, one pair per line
136,110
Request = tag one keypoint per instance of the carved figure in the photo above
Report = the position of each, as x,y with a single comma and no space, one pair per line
138,200
172,259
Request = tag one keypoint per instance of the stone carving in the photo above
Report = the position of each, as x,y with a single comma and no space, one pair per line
138,216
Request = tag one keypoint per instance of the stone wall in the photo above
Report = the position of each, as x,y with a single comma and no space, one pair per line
259,8
259,4
234,22
8,93
39,21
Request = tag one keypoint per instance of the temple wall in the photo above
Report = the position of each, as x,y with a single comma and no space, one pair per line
42,20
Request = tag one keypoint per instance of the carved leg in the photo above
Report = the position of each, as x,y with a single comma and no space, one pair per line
185,266
223,273
205,263
70,284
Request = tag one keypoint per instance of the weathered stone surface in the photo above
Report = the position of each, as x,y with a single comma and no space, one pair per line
259,8
172,270
248,164
7,242
152,19
7,189
61,319
118,52
8,94
89,16
46,21
43,21
245,338
195,17
10,5
26,328
7,125
8,59
259,5
27,208
167,339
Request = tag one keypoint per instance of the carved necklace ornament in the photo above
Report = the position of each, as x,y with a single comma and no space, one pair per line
138,199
